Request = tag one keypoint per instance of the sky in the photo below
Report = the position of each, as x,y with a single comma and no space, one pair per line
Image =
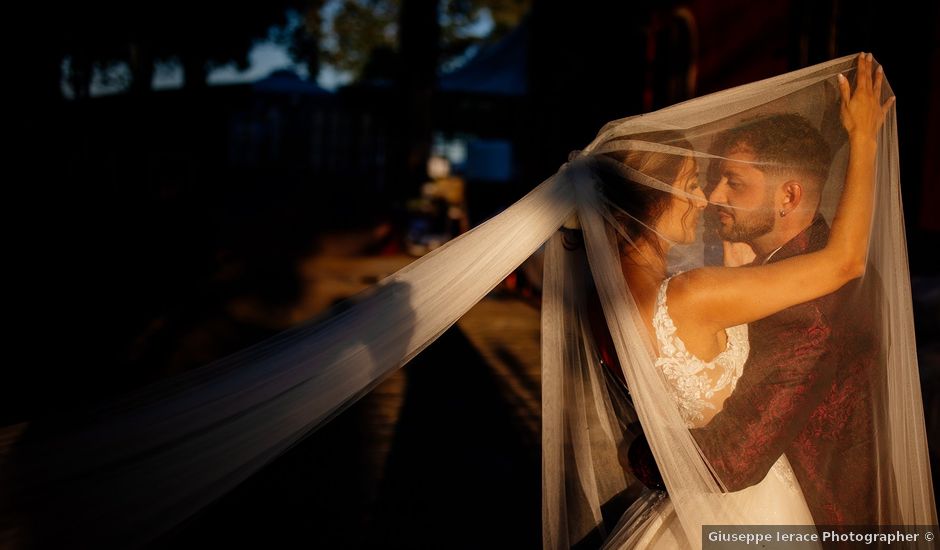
265,57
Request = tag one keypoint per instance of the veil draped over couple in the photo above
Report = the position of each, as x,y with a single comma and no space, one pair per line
727,339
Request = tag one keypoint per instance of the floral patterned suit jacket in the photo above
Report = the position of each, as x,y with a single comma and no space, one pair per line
813,387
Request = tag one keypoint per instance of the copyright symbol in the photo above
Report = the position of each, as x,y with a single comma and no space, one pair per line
928,536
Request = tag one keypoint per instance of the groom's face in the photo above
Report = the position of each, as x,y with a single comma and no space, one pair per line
743,199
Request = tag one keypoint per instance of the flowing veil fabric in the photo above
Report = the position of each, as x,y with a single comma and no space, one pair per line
133,468
575,404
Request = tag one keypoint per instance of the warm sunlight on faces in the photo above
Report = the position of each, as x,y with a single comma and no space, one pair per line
742,198
679,221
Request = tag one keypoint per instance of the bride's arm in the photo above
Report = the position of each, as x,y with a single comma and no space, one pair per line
722,297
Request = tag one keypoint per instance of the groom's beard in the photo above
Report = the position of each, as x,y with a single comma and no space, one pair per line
746,226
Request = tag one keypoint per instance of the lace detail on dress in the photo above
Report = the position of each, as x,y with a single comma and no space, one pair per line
784,472
691,385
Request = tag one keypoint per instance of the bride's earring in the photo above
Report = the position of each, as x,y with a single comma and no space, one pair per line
783,212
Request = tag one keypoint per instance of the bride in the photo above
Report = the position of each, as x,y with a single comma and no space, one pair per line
700,337
678,337
132,468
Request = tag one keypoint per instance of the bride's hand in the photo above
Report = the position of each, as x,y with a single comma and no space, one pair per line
737,254
862,112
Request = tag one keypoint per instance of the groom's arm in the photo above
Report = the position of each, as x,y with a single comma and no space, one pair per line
775,395
771,402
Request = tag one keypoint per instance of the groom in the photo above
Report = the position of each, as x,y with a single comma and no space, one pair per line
813,384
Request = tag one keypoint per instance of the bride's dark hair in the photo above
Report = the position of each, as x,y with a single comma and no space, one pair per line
642,204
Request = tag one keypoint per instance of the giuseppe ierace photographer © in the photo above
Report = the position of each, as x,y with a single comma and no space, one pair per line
826,536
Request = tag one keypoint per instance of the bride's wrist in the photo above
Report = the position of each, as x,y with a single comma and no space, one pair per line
863,143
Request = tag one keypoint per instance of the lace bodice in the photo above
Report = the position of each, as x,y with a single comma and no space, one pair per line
694,382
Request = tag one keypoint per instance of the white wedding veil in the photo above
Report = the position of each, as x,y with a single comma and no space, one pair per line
584,427
130,469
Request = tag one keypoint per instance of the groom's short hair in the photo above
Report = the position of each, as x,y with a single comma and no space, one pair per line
789,143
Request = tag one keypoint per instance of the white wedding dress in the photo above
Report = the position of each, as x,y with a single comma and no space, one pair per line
776,500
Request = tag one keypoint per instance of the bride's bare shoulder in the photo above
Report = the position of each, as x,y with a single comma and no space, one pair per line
686,285
689,311
689,292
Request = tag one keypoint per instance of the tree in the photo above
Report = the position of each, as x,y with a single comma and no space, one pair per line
106,34
362,37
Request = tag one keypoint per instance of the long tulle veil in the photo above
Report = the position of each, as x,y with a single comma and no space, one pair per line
134,467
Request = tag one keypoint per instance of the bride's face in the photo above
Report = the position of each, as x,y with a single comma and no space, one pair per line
680,219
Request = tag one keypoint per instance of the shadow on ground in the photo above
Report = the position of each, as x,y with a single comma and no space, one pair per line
458,474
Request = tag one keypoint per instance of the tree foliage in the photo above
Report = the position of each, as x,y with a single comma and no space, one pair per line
361,37
126,40
198,35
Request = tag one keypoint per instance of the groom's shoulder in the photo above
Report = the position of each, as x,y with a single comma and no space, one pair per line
811,239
